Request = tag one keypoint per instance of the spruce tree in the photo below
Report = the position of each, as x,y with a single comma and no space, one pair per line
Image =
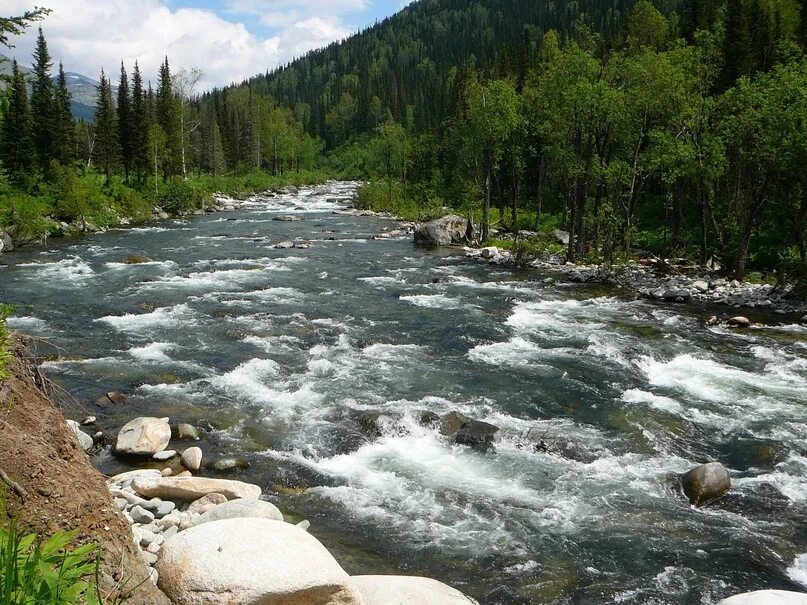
16,144
106,130
738,57
65,124
125,123
140,126
43,108
167,115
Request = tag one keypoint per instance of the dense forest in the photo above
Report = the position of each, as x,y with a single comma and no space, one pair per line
671,127
674,127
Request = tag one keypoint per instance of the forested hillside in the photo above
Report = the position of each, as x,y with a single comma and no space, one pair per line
676,128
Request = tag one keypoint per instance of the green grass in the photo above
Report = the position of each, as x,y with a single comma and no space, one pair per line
377,196
5,341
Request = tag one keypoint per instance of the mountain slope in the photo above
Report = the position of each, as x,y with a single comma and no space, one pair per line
83,90
410,64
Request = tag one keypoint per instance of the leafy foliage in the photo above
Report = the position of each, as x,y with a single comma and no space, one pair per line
36,572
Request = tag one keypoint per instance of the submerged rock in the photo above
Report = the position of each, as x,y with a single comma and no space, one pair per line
115,397
767,597
144,436
407,590
370,422
186,432
705,483
286,218
251,561
451,229
227,464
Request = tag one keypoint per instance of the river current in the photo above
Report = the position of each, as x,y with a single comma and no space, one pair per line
278,351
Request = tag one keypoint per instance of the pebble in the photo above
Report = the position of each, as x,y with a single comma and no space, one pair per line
304,524
141,515
167,472
192,458
148,558
171,531
88,420
121,503
164,455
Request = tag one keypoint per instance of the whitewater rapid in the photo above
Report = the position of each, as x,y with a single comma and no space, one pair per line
278,352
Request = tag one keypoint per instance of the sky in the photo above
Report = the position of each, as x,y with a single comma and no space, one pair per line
228,40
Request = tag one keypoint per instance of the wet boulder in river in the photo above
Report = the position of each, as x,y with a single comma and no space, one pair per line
371,423
451,229
115,397
739,322
428,418
143,436
451,423
288,190
477,434
706,482
287,218
6,243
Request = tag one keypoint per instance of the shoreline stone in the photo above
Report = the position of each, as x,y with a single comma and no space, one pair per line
192,488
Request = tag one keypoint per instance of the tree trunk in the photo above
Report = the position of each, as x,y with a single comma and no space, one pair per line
704,231
486,208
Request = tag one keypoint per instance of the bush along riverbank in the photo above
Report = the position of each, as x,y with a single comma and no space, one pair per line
659,279
75,205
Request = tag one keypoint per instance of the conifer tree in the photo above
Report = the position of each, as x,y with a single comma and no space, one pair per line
106,149
140,125
737,45
42,104
125,123
16,144
167,110
65,130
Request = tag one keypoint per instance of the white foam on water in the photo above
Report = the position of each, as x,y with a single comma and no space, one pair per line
164,317
709,380
28,324
665,404
798,570
516,352
167,264
72,269
230,278
789,477
153,352
383,280
436,301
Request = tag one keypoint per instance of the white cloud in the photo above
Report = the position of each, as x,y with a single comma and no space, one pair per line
90,34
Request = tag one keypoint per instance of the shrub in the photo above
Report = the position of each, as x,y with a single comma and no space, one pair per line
177,196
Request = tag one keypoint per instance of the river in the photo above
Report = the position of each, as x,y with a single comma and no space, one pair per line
278,351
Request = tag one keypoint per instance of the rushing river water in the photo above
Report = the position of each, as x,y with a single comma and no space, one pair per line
278,351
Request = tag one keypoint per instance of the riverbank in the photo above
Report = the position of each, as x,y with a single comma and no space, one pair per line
96,206
684,284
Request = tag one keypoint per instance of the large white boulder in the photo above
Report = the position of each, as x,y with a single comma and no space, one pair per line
451,229
407,590
6,243
767,597
241,509
192,458
143,436
193,488
251,562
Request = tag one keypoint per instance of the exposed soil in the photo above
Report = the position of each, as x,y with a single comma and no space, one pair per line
60,490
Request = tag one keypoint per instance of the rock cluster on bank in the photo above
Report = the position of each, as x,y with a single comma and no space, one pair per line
211,541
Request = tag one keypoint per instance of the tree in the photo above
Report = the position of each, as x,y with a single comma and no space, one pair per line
106,149
646,28
392,145
139,126
17,150
43,107
738,44
65,128
14,26
491,115
126,123
185,83
167,115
